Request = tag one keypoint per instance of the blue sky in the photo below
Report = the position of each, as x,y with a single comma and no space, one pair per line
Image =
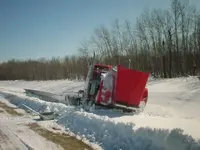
47,28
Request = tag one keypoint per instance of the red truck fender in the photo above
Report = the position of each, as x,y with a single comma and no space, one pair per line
145,95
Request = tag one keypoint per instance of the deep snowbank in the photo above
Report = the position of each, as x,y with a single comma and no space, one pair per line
111,135
106,132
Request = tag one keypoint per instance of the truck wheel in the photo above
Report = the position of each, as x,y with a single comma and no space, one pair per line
88,105
142,106
85,104
92,107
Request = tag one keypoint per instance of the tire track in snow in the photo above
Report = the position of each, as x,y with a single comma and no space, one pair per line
9,141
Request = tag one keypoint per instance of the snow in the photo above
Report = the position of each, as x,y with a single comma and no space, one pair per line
8,140
18,135
58,87
170,121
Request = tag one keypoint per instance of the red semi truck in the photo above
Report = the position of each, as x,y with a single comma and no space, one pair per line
115,87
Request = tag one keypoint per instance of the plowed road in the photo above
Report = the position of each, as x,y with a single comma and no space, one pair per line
8,140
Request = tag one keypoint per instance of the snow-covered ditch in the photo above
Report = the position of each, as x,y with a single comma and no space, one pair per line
107,132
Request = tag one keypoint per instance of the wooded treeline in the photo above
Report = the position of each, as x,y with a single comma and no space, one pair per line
163,42
42,69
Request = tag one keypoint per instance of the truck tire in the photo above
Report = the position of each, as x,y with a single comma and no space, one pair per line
142,105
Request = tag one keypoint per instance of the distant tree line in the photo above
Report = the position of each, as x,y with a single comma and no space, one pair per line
42,69
163,42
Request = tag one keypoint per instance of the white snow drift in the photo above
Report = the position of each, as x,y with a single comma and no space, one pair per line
173,104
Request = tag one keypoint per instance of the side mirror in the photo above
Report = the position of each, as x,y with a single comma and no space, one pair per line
81,91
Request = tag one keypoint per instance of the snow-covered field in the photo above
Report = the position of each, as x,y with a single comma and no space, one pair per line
170,121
